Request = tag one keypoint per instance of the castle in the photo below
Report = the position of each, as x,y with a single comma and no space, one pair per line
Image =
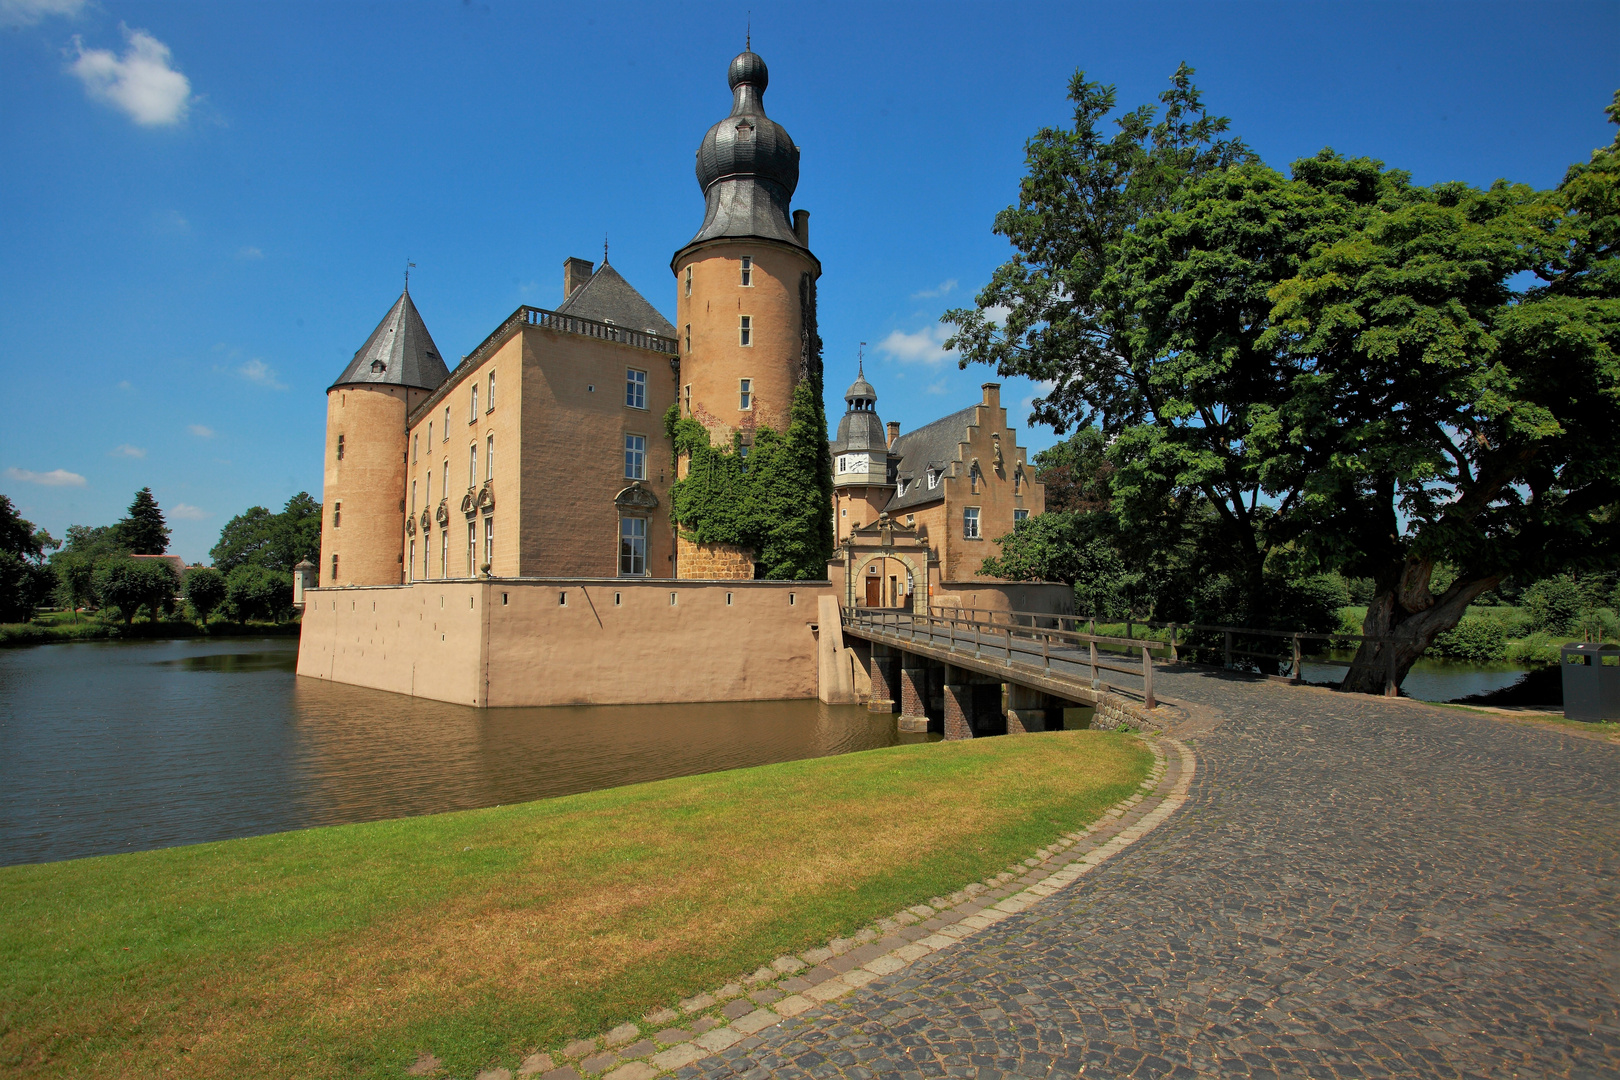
541,466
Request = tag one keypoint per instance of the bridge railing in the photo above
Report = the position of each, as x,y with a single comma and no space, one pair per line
962,629
1285,650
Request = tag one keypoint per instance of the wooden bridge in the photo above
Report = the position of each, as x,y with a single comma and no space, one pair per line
964,668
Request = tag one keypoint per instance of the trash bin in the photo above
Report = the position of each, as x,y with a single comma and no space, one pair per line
1591,681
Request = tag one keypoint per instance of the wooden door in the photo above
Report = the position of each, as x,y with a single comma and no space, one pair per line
874,591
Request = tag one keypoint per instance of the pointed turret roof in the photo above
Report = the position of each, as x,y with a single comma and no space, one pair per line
400,352
607,297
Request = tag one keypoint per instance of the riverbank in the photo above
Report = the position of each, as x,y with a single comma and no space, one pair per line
52,629
483,934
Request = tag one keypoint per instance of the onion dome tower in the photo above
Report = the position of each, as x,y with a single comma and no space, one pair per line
363,502
745,284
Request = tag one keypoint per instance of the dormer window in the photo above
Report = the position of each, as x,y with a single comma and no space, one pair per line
747,271
902,487
933,479
378,367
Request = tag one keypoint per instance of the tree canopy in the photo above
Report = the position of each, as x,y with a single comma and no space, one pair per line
279,541
143,531
1336,362
24,578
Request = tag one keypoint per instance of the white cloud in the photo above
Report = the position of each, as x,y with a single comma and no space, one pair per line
54,478
926,346
257,371
200,431
997,314
29,12
187,512
250,253
939,290
140,82
126,450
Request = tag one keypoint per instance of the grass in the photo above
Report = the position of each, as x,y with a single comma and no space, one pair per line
58,626
482,935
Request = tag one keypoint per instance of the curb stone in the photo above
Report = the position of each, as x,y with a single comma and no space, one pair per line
890,946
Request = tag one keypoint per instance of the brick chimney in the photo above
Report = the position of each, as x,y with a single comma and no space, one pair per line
992,394
801,226
894,432
576,272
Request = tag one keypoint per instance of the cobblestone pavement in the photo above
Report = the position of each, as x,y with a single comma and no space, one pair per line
1355,888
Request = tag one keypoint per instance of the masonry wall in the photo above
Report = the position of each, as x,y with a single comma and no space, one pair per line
365,485
568,641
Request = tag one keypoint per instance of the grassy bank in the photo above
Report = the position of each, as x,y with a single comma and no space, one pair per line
480,935
58,627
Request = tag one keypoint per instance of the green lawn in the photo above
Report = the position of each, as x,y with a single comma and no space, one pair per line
486,934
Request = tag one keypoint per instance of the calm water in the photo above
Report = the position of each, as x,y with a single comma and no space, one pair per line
1433,680
108,747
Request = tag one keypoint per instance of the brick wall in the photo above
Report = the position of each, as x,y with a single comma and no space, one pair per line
713,562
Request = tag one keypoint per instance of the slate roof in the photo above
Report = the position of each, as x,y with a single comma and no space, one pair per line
400,352
930,445
607,297
860,429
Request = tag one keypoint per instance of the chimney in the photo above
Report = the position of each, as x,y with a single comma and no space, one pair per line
801,226
992,394
894,432
576,272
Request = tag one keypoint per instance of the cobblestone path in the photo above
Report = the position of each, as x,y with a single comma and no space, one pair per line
1355,888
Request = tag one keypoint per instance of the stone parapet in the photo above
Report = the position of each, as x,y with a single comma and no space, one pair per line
1115,712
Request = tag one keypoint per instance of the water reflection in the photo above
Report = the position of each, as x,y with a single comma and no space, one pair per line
110,747
1431,679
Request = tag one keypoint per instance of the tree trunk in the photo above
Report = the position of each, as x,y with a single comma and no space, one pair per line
1408,614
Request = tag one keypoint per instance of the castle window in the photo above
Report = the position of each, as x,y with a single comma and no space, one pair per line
446,437
490,405
635,457
427,552
416,448
633,547
444,553
635,389
688,281
689,339
747,271
1020,515
410,567
413,498
472,545
745,330
970,522
489,458
745,392
933,479
334,566
430,488
843,464
340,448
337,515
489,540
472,418
688,399
472,466
430,436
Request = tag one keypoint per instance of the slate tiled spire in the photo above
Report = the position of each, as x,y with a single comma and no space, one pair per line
400,352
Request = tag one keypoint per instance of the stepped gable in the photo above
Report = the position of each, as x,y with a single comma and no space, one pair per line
932,445
747,165
400,352
607,297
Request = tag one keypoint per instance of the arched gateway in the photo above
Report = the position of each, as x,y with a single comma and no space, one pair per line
883,539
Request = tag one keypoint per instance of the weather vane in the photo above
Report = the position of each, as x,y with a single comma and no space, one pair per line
408,265
860,359
748,33
604,248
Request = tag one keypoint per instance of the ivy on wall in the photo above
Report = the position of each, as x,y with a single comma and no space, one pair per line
776,502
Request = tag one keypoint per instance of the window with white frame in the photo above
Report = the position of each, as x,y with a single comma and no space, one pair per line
745,395
635,388
446,436
843,464
1020,515
413,498
472,546
429,488
410,565
427,551
472,416
633,547
689,339
489,406
416,448
748,271
430,436
635,457
745,329
489,458
933,479
444,553
970,522
489,540
472,466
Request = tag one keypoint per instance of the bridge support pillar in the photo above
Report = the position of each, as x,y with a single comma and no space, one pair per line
958,704
885,679
913,693
1026,710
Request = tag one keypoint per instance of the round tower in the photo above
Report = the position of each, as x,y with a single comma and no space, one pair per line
861,483
745,284
363,509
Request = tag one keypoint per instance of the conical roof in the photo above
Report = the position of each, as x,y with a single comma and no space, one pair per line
400,352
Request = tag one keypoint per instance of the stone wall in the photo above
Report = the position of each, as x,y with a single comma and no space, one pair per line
1114,712
712,562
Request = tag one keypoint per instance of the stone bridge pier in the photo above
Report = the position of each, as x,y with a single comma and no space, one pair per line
928,695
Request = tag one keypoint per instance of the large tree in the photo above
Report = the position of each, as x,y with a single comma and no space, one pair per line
24,579
143,531
279,541
1334,362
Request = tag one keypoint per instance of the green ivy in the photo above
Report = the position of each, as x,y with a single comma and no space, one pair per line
777,502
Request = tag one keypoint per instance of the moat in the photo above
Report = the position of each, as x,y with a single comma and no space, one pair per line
109,747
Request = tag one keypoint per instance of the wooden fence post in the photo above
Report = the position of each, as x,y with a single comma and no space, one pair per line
1298,678
1148,699
1094,681
1175,654
1226,650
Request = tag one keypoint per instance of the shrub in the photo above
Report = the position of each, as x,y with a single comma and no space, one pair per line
1474,638
132,584
255,592
1555,604
1538,648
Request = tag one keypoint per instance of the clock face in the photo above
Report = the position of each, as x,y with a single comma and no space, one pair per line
854,463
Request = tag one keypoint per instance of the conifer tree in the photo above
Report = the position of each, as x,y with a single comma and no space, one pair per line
144,531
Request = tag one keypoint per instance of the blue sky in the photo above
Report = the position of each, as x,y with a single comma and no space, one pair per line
207,207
